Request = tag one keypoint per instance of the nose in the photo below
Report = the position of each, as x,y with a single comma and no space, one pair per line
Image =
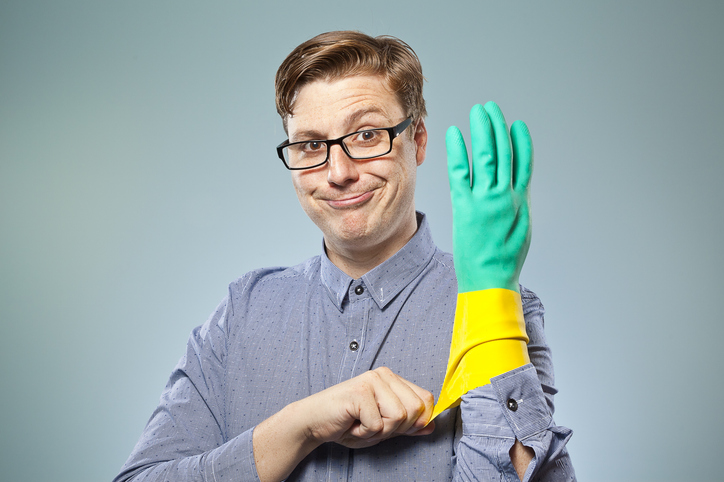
341,169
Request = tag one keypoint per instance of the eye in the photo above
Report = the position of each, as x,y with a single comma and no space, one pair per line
367,136
312,146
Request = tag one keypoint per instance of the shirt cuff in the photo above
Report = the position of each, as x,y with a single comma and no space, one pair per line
521,398
512,406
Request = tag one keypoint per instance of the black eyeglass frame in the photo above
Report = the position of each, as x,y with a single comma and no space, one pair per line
394,132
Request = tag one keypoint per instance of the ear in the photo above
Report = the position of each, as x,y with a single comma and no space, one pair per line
421,140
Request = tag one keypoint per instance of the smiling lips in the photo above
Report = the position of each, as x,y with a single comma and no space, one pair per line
350,200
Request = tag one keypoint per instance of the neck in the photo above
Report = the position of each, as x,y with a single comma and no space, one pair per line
356,259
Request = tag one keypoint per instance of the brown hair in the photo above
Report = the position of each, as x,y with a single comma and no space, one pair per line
335,55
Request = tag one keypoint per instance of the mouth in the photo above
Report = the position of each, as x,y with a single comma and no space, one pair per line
350,200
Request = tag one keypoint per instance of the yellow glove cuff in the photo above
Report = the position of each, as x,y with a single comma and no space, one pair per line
488,339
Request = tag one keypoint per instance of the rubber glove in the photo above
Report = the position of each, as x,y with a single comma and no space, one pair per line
491,236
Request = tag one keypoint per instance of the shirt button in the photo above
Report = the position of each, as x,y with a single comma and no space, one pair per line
354,346
359,290
512,405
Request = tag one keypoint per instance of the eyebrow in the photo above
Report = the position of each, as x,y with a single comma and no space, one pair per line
311,134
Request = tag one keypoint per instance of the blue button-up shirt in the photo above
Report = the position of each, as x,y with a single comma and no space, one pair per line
282,334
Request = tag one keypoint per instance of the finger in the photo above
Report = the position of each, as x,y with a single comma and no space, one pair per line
384,389
370,419
401,406
418,404
483,147
426,430
502,144
428,405
522,155
458,167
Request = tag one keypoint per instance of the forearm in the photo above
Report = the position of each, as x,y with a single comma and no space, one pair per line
151,463
357,413
521,457
508,429
267,453
281,443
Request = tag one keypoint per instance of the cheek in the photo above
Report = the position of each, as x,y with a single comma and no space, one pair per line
304,186
301,183
407,169
299,190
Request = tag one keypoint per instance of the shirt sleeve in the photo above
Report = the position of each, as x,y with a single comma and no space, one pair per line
185,438
516,405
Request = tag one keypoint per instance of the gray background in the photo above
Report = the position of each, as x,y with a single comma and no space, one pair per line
138,178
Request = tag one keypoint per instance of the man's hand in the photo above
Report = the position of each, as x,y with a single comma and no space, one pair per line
491,236
359,412
491,201
368,409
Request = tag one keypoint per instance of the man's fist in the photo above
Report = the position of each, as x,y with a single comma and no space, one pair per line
367,409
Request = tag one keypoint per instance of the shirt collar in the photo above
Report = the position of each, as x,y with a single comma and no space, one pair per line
385,281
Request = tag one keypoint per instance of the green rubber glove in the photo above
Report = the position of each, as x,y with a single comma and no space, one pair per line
491,214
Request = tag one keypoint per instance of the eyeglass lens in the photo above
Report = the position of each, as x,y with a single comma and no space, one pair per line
359,145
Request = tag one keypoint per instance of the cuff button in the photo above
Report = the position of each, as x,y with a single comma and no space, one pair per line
512,405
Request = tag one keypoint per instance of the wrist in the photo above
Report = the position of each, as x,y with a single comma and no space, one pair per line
480,280
281,442
489,338
302,425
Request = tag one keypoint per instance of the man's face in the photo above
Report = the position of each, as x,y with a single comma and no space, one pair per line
360,205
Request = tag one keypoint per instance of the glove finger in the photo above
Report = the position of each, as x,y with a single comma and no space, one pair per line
503,152
458,167
483,147
522,155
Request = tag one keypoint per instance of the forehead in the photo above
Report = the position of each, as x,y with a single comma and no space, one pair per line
341,104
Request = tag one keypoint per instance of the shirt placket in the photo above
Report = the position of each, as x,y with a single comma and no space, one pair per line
357,320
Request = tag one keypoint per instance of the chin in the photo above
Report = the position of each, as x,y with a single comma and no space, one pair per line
351,232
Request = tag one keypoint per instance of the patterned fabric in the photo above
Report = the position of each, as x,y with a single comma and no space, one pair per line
282,334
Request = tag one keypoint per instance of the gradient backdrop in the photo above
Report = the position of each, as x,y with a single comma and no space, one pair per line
138,177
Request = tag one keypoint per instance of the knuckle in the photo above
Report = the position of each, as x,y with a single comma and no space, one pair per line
365,388
427,399
398,413
375,427
371,375
368,377
416,411
418,408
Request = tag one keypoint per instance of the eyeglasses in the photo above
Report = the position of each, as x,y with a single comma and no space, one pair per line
366,144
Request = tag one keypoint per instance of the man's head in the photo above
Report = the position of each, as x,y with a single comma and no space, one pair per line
337,55
342,83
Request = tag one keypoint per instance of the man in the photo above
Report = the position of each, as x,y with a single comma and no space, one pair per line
328,370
